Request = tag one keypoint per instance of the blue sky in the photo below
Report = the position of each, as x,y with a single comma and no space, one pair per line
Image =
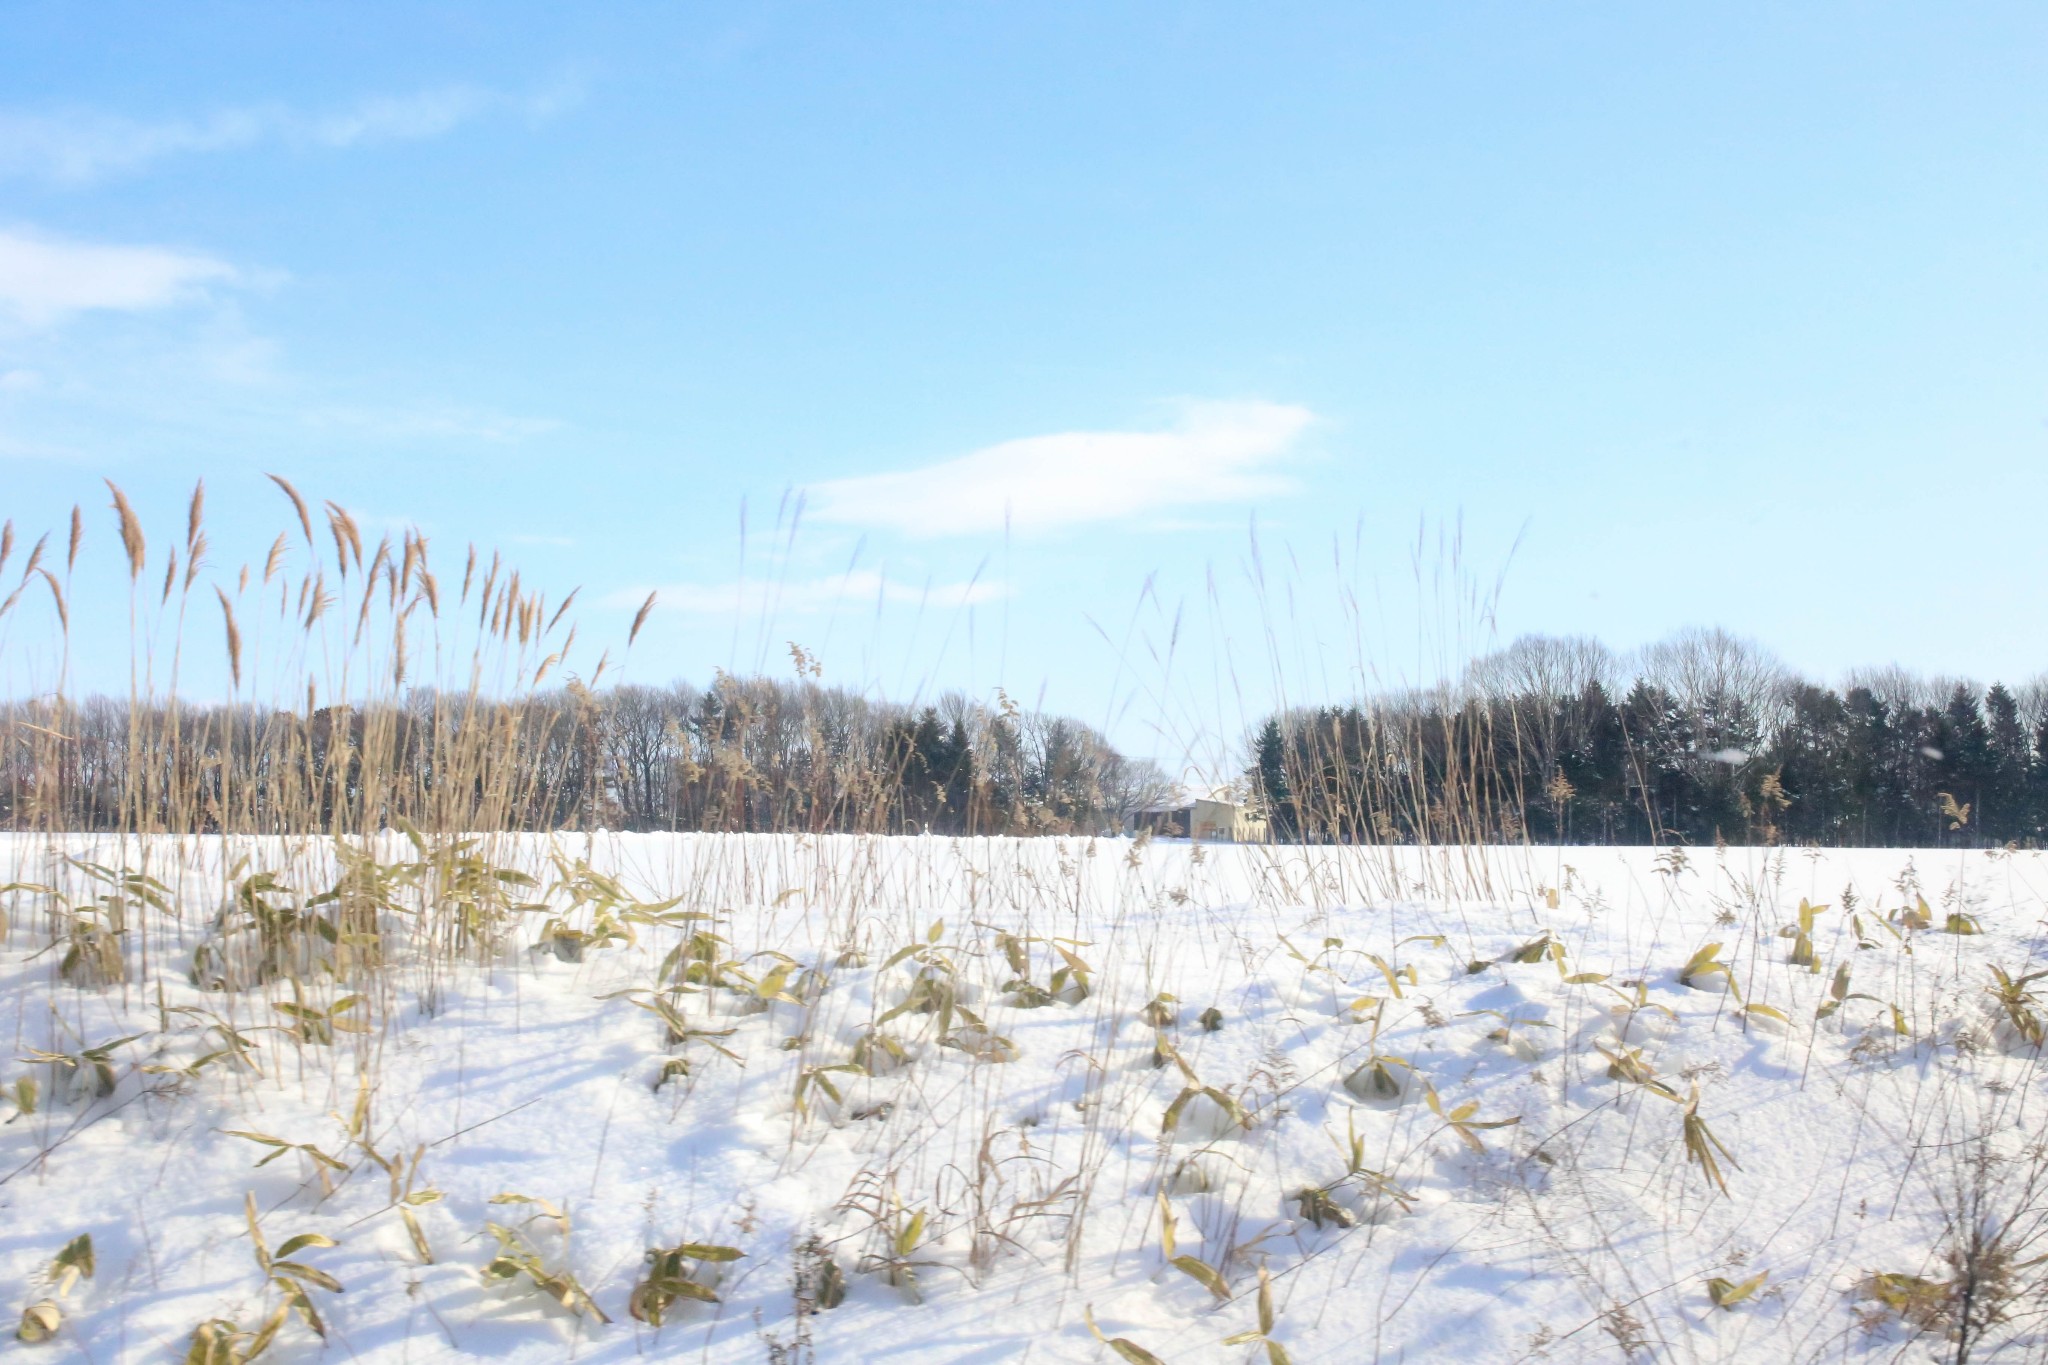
1675,315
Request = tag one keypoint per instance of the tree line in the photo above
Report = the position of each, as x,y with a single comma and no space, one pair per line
1704,738
751,754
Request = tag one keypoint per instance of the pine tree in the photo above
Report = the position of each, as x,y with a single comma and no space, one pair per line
1660,750
1269,770
1965,765
1603,780
1868,817
958,780
1844,769
2037,782
1810,757
2005,794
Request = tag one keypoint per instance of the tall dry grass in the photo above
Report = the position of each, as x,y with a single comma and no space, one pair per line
363,693
322,854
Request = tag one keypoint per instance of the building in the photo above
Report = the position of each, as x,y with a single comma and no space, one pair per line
1205,819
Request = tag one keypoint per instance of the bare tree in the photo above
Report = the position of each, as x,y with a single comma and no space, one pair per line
1554,667
1534,686
1901,690
1732,689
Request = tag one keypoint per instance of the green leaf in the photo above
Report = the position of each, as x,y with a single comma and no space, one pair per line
1726,1293
1393,982
304,1240
77,1255
1202,1274
255,1233
417,1233
298,1300
39,1322
770,987
702,1251
298,1270
1703,963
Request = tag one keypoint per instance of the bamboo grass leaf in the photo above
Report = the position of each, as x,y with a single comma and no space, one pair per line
1726,1294
1204,1275
1124,1347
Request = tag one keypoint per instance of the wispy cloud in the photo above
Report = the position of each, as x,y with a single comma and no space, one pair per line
14,449
44,279
853,591
434,424
79,146
1216,453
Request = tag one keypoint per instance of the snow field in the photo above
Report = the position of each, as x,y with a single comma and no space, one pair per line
946,1098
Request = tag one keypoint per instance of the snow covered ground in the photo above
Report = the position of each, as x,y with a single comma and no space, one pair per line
951,1094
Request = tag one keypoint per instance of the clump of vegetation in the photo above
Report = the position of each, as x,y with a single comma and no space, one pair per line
1704,965
1801,934
1276,1354
220,1341
2018,1003
1702,1148
1228,1110
898,1235
675,1274
41,1319
1726,1294
1319,1205
1196,1269
518,1259
90,1072
1460,1120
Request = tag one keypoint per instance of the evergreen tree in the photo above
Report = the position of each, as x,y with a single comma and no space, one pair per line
1965,767
2037,782
1603,782
957,779
2005,793
1867,742
1812,760
1269,770
1849,768
1661,753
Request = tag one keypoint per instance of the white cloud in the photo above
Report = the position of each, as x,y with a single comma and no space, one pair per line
79,146
1216,453
43,279
434,424
389,118
75,148
13,449
853,591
